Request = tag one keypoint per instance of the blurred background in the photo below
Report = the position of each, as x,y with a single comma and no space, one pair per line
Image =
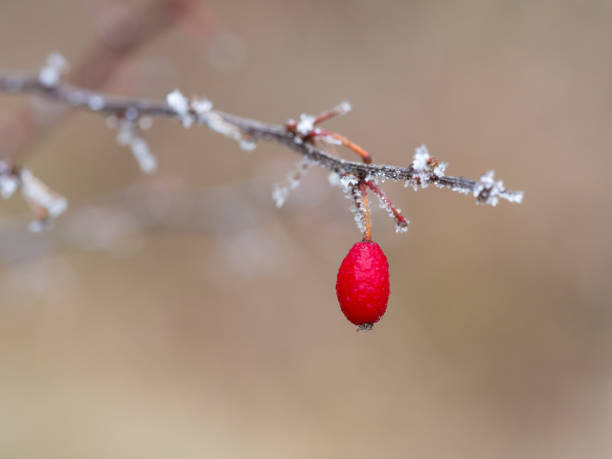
181,315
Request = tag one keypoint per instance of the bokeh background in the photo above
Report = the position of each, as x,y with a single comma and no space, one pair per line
181,315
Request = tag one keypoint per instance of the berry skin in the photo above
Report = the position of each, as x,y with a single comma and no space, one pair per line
363,284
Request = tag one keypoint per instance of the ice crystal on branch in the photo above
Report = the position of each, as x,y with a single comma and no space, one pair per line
358,208
281,193
420,162
200,110
488,191
440,170
180,104
349,184
9,182
216,122
306,124
421,166
46,204
201,106
96,102
334,179
55,66
128,136
35,191
344,107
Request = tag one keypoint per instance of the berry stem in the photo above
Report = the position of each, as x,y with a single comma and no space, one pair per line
366,211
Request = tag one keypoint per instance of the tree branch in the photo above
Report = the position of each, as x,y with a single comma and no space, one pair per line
423,171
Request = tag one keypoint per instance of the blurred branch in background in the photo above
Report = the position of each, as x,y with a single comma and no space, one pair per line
106,223
123,30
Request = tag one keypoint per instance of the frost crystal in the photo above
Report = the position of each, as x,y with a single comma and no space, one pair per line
180,104
128,136
330,140
281,193
8,185
422,169
96,102
440,169
344,107
8,181
38,194
488,190
202,106
334,179
348,182
512,196
247,145
55,66
305,125
420,159
401,226
358,209
460,190
216,122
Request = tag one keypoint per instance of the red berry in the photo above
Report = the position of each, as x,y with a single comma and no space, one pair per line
363,284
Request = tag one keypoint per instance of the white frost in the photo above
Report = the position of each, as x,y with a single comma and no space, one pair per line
128,136
53,69
8,181
512,196
38,193
488,190
180,104
201,106
440,169
348,182
334,179
422,169
216,122
306,124
281,193
357,207
420,159
344,107
96,102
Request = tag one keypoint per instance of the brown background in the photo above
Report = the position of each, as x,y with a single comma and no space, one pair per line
183,316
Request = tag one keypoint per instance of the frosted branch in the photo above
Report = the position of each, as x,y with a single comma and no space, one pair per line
298,136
